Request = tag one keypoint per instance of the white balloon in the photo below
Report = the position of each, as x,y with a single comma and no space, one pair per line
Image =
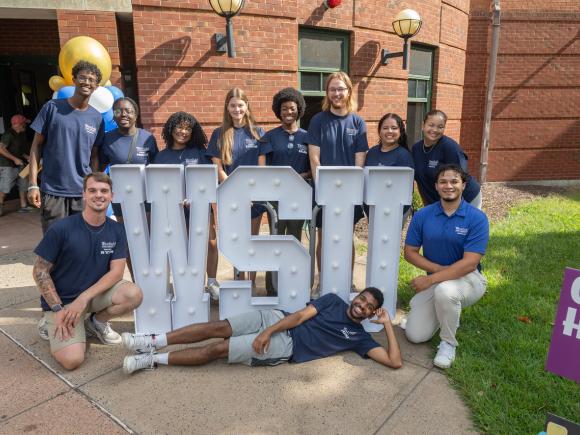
101,99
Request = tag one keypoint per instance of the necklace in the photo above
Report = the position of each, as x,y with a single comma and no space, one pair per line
427,151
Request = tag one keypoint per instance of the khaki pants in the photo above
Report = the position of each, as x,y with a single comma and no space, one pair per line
440,307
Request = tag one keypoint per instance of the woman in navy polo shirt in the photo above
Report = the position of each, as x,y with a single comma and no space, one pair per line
437,149
392,149
289,148
186,145
127,144
237,142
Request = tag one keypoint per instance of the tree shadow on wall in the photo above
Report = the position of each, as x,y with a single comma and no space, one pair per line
170,55
316,15
367,65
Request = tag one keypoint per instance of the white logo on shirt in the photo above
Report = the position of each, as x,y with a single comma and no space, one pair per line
302,149
142,152
461,231
251,143
191,161
433,163
347,334
107,247
90,129
351,131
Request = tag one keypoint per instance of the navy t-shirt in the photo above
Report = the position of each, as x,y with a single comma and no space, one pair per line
329,332
446,238
396,157
116,146
185,156
81,254
426,164
288,149
245,151
70,135
339,137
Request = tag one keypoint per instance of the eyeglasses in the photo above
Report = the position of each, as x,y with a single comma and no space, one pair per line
337,90
183,128
86,79
118,112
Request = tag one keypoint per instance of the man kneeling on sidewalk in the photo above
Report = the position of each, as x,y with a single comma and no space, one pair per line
79,270
269,337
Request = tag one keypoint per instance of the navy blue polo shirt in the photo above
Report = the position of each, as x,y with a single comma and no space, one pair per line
396,157
428,160
116,148
329,332
81,254
69,137
246,149
338,137
446,238
185,156
288,149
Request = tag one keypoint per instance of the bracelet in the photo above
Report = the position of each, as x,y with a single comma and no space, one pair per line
32,188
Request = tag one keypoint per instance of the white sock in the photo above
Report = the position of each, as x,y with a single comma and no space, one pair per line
97,322
160,340
161,358
211,281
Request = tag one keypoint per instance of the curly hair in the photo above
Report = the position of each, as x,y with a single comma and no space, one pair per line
198,137
377,294
403,138
83,65
285,95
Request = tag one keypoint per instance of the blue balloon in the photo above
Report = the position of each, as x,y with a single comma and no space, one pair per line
117,93
110,125
108,115
65,92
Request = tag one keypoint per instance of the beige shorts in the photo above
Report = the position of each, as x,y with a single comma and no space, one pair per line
97,304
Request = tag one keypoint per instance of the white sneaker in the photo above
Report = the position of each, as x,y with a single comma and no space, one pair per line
104,333
445,355
139,342
214,290
139,362
43,329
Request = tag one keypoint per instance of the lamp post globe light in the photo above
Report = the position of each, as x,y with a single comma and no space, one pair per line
406,24
227,9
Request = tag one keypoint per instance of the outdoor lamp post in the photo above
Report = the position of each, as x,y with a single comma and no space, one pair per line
227,9
406,24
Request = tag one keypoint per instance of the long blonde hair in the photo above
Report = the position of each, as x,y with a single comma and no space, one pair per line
226,139
351,104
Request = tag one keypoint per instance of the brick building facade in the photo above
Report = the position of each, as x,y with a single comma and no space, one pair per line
164,53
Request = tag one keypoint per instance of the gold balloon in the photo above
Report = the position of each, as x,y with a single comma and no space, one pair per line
56,82
84,48
108,83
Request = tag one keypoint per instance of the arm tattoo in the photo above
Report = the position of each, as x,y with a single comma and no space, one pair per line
41,273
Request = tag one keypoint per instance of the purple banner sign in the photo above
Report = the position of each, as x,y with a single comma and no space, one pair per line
564,353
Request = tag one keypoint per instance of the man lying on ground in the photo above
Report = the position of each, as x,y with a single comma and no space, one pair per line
269,337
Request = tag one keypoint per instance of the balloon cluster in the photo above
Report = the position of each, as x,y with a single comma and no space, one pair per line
90,50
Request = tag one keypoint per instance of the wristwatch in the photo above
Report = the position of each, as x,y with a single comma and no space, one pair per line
56,308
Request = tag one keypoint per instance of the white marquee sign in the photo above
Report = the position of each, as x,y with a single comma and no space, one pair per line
169,250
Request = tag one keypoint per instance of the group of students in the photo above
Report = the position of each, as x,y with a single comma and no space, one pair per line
337,136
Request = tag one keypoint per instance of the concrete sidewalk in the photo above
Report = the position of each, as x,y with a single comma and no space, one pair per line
343,394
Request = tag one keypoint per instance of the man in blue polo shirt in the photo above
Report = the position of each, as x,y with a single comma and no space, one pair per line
454,236
326,326
79,271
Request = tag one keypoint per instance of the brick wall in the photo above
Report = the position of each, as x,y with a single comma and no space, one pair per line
535,130
29,37
101,26
179,69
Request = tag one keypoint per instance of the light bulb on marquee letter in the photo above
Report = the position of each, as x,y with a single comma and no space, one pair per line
283,254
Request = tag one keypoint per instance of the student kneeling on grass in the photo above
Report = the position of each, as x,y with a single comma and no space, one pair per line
269,337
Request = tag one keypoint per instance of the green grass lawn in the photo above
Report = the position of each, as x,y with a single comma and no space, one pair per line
499,370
